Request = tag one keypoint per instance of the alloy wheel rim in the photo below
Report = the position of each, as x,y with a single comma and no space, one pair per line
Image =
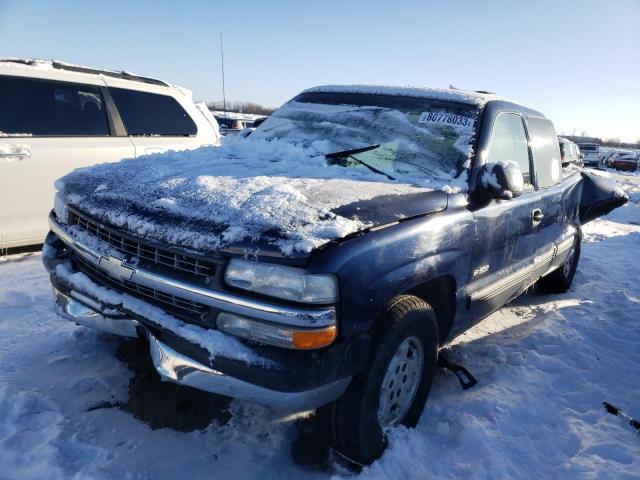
401,382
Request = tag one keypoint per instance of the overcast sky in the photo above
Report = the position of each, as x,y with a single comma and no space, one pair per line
576,61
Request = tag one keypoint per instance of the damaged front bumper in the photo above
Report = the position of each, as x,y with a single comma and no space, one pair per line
288,380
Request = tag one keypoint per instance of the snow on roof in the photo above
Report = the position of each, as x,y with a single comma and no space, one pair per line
236,115
60,66
450,94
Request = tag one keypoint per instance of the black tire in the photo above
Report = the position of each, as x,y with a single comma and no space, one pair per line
559,281
355,431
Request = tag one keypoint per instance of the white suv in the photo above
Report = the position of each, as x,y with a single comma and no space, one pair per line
55,117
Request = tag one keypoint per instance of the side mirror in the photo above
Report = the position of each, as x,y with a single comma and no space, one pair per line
502,180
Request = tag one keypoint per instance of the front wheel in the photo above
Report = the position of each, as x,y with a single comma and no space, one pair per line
394,387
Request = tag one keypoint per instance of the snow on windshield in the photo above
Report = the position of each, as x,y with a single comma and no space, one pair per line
418,139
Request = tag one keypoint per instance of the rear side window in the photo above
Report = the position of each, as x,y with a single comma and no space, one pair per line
34,107
152,114
545,151
564,149
509,143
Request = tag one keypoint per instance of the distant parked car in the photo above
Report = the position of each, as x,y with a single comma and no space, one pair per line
569,153
607,158
590,154
233,122
55,117
627,161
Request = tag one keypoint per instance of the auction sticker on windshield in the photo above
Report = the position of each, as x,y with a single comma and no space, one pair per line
444,118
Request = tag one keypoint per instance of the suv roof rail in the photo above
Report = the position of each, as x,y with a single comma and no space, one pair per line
79,69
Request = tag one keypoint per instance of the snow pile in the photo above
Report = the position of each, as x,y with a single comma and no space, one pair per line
236,115
13,148
245,189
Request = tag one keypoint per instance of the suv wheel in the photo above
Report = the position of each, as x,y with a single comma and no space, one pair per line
394,387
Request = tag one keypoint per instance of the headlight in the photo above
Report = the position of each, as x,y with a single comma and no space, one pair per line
282,282
60,208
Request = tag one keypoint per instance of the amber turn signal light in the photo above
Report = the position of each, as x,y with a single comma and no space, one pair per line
311,339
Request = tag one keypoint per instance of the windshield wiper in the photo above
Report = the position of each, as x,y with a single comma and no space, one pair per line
354,151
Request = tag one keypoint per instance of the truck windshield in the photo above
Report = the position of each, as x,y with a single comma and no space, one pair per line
416,136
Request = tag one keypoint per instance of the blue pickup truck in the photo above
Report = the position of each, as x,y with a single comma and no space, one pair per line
325,259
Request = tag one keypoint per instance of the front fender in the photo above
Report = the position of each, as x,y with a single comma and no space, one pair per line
377,266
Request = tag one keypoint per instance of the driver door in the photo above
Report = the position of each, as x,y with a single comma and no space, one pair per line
505,231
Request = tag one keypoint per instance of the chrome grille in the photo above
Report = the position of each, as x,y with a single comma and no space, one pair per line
147,255
182,307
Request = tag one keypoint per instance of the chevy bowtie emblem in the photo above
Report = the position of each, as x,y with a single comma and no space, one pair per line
115,269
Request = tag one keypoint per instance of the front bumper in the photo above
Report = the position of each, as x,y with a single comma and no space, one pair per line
300,380
182,369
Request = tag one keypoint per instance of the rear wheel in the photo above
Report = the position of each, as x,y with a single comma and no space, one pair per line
559,281
393,388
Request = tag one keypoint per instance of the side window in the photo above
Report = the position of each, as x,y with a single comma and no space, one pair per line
545,151
509,143
34,107
152,114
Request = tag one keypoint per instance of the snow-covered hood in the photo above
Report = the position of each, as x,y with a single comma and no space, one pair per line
251,193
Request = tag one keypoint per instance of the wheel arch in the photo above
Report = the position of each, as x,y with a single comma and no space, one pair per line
440,294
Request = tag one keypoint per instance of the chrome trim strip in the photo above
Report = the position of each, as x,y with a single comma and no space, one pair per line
316,317
545,257
504,284
565,245
513,279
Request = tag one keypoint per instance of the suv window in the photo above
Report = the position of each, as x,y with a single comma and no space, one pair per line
38,107
509,143
146,113
545,151
588,148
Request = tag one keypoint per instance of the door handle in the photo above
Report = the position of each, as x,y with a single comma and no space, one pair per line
536,216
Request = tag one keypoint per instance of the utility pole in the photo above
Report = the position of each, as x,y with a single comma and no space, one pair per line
224,96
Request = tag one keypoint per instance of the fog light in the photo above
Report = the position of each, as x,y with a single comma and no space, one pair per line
274,334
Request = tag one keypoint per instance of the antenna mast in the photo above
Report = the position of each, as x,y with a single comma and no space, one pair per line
224,96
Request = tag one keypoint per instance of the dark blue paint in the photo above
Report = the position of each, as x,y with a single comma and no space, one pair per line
476,242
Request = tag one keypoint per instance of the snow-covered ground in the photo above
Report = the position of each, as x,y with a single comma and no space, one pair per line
545,364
